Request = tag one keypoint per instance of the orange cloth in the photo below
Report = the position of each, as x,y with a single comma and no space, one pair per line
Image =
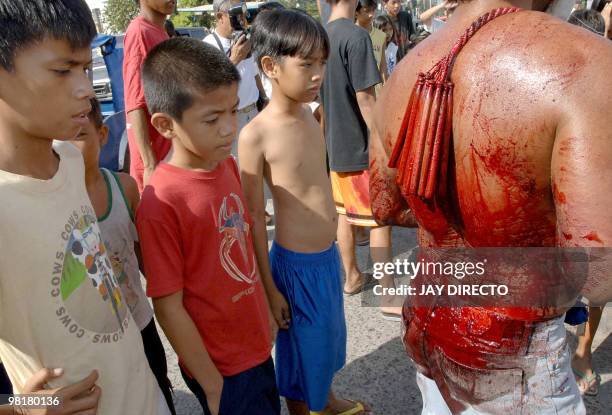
352,196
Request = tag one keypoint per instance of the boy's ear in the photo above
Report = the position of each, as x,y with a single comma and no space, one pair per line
270,67
103,132
164,124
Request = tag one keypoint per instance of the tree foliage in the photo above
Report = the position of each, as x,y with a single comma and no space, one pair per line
118,14
191,19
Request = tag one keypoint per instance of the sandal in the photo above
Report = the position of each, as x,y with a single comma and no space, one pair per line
367,280
592,382
358,409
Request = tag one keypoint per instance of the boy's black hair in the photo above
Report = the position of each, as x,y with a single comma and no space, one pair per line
287,32
24,22
361,4
382,20
177,67
95,115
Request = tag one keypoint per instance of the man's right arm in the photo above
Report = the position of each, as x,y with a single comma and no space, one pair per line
581,172
429,14
135,104
139,123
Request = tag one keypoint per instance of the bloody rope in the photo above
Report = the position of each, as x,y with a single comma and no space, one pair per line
424,141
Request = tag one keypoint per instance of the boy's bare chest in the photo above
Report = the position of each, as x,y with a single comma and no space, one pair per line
299,150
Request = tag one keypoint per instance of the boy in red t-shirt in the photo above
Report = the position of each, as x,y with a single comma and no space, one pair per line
195,233
147,147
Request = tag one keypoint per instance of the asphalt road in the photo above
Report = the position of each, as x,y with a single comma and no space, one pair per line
378,370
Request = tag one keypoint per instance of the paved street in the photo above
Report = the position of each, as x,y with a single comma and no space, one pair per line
378,370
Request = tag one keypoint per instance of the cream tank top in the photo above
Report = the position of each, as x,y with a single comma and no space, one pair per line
119,234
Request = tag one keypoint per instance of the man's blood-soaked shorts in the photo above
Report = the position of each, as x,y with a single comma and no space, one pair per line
352,196
535,378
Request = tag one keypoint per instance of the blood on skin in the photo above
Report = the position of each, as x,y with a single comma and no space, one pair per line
592,236
567,236
557,195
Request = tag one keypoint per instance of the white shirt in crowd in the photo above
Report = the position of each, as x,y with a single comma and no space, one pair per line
391,56
247,91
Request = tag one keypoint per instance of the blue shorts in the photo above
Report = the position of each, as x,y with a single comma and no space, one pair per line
313,349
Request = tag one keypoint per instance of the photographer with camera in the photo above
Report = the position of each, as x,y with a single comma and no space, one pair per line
232,36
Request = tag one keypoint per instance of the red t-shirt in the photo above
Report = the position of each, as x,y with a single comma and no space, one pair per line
141,36
195,236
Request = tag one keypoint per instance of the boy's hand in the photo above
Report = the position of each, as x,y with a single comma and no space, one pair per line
280,309
213,391
81,397
273,328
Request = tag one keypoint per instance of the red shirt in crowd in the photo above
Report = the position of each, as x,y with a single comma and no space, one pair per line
141,36
195,236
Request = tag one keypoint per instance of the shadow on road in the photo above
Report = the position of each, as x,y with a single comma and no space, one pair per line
385,379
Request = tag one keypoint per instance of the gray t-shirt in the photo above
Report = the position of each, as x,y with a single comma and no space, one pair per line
351,67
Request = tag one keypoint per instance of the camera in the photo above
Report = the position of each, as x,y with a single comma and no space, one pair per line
238,17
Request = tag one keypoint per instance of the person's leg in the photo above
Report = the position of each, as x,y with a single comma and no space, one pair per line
582,364
156,355
380,251
297,407
346,245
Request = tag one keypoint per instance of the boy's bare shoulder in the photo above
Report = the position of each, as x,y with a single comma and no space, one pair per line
130,188
253,134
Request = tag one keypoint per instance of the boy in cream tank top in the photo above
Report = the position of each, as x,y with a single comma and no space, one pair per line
60,301
114,198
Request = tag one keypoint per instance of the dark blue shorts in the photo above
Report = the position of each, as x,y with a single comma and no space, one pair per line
313,349
252,392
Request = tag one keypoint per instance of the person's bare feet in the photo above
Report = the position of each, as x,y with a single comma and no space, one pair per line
586,378
354,284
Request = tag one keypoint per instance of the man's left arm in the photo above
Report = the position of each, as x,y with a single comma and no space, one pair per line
388,205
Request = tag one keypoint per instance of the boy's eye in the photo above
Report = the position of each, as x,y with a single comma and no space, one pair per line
211,121
61,71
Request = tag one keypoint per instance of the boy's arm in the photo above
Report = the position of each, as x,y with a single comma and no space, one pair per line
366,99
383,66
132,196
188,345
250,153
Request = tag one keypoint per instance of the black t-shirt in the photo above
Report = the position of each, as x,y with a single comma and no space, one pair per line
351,67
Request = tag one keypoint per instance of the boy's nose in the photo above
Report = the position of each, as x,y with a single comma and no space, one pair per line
84,88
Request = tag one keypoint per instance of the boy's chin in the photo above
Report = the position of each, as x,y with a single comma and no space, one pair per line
71,135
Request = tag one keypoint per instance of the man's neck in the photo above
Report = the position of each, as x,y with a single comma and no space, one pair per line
154,17
367,28
26,155
223,34
467,12
342,10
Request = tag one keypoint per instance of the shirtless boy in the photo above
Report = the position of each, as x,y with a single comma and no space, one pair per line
283,145
531,144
